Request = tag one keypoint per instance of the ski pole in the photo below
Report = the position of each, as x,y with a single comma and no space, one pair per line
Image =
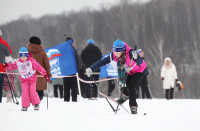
99,90
47,96
11,90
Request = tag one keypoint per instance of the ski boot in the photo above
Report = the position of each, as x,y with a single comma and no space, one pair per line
36,107
133,109
122,99
24,109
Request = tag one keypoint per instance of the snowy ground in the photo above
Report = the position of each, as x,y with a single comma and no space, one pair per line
96,115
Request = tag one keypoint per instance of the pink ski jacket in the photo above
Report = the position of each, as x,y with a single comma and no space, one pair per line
134,68
27,69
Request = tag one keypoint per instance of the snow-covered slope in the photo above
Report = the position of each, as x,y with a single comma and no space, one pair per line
96,115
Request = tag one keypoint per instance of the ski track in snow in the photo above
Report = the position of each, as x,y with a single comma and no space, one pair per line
96,115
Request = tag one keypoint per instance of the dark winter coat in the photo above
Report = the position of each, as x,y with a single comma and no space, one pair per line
90,55
41,57
146,71
79,63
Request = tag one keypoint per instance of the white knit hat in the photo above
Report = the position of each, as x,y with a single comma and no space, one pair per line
0,33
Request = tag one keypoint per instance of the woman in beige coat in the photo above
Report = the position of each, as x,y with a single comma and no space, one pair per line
37,50
169,77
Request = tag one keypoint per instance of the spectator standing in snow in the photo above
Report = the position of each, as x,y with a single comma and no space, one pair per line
126,59
6,85
89,55
111,87
70,83
144,82
168,76
58,84
27,67
4,51
39,54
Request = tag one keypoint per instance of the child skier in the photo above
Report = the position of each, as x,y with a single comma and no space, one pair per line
126,59
27,67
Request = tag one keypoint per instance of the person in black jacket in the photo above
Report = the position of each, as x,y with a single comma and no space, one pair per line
71,82
89,55
144,82
111,87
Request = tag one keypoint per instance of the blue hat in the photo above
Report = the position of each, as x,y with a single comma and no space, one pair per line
118,46
139,51
23,52
90,41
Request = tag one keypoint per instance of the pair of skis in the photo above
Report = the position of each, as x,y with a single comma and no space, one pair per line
109,98
113,100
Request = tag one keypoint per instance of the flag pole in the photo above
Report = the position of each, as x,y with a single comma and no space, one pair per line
78,83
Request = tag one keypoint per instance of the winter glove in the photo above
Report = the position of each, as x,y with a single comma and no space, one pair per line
135,55
88,72
8,59
162,78
47,78
5,65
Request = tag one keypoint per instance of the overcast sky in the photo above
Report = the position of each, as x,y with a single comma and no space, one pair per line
13,9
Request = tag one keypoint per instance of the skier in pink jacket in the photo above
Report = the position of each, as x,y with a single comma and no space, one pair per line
128,62
27,67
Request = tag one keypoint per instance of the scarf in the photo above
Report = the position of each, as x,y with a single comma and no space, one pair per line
121,69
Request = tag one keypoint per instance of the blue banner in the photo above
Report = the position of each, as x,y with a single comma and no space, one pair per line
62,59
109,70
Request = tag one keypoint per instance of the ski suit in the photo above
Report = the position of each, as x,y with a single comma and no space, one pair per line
28,79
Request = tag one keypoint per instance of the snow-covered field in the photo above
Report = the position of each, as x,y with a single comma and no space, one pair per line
96,115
